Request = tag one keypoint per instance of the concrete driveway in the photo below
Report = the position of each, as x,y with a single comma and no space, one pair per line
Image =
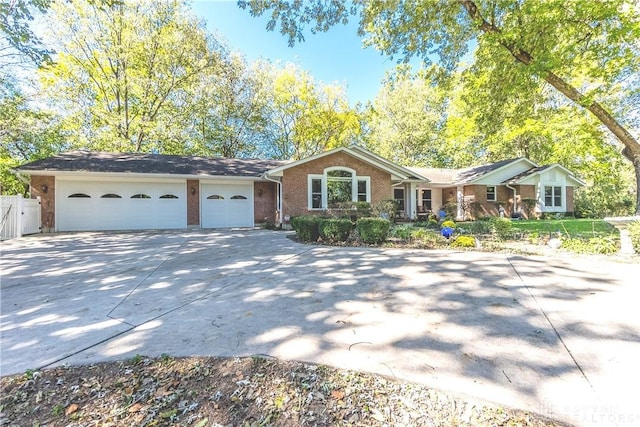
557,336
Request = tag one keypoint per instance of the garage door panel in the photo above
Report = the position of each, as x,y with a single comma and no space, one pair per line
120,205
227,205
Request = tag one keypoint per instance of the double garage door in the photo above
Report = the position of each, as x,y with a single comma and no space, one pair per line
121,205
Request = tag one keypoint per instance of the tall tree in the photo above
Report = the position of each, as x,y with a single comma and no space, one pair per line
227,110
580,48
406,119
303,117
122,71
26,134
17,40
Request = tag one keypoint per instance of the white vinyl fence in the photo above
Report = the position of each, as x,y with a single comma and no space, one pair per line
18,216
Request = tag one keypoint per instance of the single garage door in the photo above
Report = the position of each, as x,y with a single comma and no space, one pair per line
227,205
119,205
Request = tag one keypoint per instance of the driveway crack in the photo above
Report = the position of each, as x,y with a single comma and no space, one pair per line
564,344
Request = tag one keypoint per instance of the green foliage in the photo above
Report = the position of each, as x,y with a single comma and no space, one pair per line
529,205
501,228
464,242
449,223
306,227
634,233
373,230
478,227
593,245
334,230
386,209
403,232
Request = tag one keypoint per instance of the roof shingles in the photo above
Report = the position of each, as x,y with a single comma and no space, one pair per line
85,161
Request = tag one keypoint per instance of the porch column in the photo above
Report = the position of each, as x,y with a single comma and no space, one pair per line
413,203
459,203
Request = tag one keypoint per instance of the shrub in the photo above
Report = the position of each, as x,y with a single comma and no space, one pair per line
373,230
449,223
501,227
427,238
634,233
386,209
334,230
306,227
594,245
401,232
479,227
464,242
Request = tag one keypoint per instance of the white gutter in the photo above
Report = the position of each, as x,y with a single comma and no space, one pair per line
515,197
279,202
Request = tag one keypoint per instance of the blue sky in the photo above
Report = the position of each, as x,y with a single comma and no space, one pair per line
333,57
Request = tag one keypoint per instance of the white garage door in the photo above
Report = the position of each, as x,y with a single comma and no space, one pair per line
117,205
227,205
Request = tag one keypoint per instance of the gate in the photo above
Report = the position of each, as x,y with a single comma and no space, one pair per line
19,216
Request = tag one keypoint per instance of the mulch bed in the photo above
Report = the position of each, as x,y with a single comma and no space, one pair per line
251,391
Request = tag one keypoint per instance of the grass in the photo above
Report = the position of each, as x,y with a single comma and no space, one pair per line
574,227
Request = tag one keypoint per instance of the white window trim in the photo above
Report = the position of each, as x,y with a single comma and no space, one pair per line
323,178
310,179
495,193
563,195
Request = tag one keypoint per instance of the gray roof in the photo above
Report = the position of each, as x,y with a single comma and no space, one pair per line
475,172
89,161
460,176
526,174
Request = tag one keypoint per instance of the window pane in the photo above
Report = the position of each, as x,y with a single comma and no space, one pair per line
338,192
548,196
316,186
339,174
362,187
316,201
491,194
398,193
426,200
557,196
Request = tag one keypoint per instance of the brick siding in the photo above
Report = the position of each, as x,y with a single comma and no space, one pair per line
193,202
47,199
295,181
265,202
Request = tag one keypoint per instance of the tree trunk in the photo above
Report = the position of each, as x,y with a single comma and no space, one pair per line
631,145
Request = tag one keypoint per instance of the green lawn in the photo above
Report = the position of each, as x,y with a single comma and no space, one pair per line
575,227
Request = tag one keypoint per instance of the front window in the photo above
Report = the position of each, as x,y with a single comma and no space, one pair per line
336,186
398,197
426,200
339,187
491,194
553,196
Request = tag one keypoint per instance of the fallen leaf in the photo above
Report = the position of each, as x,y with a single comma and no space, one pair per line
71,409
337,394
135,407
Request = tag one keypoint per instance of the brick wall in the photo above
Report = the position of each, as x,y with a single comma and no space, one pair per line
193,202
47,199
295,181
526,192
570,205
265,202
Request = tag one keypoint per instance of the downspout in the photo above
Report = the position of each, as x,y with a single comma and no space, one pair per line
515,198
279,201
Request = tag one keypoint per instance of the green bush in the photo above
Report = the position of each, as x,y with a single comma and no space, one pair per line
501,227
373,230
306,227
594,245
464,242
401,232
479,227
634,232
449,223
428,238
386,209
334,230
